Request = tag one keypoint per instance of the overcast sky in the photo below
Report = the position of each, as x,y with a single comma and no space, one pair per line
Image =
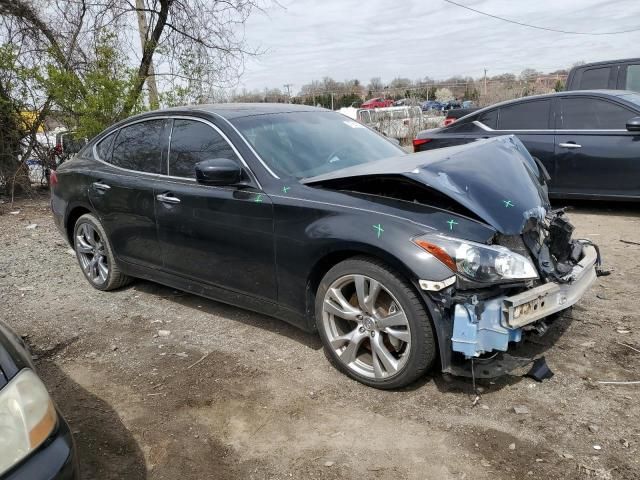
344,39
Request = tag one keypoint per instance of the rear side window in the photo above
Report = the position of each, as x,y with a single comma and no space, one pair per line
103,148
139,147
633,78
593,78
193,142
525,116
593,114
490,119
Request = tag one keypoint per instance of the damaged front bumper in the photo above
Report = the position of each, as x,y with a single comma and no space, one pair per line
481,327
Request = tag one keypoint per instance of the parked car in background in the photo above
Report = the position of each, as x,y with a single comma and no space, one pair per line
468,104
35,441
588,140
67,144
456,113
451,104
613,75
378,102
431,105
306,215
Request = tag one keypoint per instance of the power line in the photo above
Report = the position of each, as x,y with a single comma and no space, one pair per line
538,27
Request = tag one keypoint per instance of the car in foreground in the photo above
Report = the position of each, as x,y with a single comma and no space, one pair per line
587,140
35,441
378,102
300,213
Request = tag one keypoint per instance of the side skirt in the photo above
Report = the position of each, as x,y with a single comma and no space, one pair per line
215,293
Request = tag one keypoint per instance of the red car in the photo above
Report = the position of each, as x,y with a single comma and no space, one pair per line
377,103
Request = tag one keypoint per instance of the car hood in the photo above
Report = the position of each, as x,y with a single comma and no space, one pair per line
496,179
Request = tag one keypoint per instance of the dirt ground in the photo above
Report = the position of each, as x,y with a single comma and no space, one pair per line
230,394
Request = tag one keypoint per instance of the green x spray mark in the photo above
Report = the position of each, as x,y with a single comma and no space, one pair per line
451,223
259,198
285,189
508,203
379,229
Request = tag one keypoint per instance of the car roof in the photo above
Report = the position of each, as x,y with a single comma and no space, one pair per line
606,62
237,110
568,93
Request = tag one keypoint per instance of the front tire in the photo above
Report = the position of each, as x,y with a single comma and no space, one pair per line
95,255
373,325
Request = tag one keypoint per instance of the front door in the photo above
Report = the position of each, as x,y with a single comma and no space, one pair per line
594,153
122,190
220,236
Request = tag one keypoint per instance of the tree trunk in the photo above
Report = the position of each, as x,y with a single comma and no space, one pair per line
151,79
149,49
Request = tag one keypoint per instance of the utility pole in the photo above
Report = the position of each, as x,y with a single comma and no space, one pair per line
151,79
331,100
288,87
485,82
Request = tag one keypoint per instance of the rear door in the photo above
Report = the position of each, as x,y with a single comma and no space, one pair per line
629,78
216,235
122,189
595,78
595,154
532,123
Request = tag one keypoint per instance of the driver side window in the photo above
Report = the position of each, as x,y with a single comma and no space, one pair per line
193,142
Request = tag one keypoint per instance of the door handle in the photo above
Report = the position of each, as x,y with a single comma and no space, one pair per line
165,198
101,186
569,145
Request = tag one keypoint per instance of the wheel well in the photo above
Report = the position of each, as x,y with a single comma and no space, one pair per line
330,260
72,218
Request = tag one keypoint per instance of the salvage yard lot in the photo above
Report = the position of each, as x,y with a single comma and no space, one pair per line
160,384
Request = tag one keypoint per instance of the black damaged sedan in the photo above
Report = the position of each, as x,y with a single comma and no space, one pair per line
35,441
398,261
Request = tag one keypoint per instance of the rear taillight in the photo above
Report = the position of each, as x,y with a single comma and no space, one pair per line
448,121
53,178
419,141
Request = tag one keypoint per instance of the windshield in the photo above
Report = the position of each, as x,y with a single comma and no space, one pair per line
631,97
306,144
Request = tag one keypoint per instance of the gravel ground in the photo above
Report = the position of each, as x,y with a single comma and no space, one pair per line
229,394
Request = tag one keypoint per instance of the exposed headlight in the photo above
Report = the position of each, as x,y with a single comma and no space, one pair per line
27,418
478,262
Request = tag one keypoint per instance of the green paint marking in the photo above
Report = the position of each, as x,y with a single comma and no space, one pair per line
259,198
285,189
508,203
379,228
451,223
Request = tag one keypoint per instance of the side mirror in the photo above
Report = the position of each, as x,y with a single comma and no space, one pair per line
218,171
633,125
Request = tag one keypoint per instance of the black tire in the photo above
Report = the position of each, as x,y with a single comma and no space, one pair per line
114,278
423,349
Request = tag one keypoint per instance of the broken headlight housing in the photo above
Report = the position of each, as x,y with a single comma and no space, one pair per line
478,262
27,418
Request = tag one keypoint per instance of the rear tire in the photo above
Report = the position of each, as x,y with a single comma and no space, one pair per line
373,324
95,255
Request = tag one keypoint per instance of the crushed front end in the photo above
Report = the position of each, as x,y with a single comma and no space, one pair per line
481,319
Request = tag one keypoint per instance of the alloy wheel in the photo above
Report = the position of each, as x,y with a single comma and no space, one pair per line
366,327
92,255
